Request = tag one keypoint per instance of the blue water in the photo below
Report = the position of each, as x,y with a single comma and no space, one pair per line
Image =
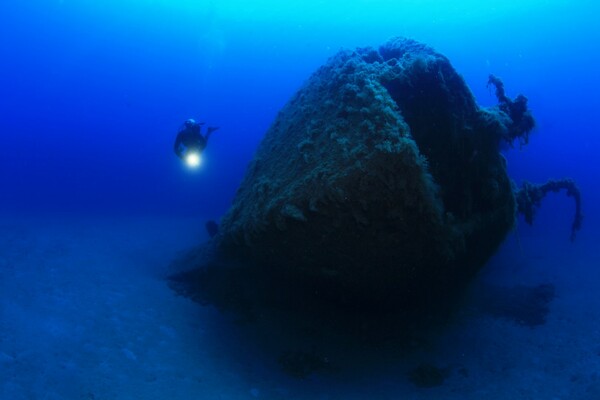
93,93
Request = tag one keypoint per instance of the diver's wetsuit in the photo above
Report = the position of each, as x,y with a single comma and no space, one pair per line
188,138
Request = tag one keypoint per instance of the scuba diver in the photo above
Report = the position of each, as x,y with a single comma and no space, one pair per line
189,143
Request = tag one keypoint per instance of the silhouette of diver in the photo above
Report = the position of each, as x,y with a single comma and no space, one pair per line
190,140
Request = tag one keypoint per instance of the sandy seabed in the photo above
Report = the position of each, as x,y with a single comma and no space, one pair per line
85,313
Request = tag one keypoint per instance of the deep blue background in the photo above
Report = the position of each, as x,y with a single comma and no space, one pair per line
93,92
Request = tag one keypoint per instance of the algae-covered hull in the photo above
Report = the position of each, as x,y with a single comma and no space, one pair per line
380,178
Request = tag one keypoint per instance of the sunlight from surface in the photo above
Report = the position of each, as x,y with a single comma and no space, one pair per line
343,12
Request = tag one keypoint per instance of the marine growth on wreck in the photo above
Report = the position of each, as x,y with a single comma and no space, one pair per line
381,181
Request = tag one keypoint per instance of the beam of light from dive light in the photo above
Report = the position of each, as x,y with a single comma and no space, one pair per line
193,159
